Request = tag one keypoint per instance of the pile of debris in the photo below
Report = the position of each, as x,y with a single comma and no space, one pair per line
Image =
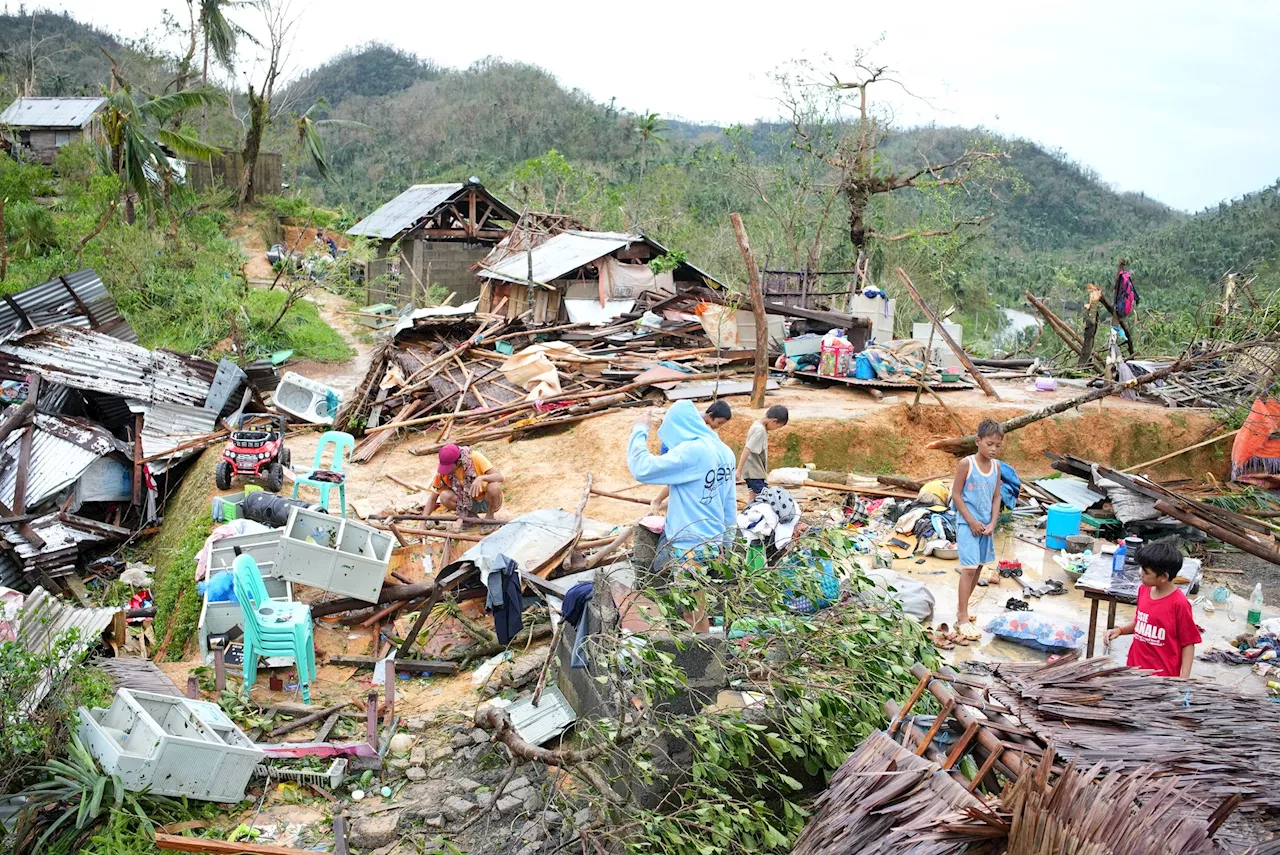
1126,738
96,429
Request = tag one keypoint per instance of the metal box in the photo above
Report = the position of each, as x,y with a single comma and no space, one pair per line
334,554
170,746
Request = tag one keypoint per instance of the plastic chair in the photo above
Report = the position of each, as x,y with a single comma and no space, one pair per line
341,443
272,627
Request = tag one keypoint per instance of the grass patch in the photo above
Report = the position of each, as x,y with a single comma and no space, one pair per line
187,522
302,330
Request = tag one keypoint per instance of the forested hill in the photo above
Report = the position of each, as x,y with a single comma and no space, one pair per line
538,143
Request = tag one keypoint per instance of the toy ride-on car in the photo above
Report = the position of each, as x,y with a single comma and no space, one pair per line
254,450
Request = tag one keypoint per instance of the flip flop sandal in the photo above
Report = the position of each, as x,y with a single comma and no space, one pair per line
941,642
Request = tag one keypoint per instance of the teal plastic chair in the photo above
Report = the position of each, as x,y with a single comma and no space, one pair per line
342,443
272,627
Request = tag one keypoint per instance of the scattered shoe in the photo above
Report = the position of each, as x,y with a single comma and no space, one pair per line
970,632
1016,605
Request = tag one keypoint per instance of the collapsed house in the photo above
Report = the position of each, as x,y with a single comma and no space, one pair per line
95,424
575,275
441,231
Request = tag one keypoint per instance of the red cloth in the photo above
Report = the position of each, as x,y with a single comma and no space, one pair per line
1161,629
1255,452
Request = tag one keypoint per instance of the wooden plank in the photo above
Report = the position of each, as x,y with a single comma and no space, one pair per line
412,666
946,336
177,843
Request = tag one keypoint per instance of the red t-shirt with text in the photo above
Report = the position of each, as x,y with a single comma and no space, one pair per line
1161,629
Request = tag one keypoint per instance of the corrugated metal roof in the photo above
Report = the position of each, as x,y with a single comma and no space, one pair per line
61,450
11,575
552,259
531,540
51,112
550,718
166,426
403,211
44,620
78,299
96,362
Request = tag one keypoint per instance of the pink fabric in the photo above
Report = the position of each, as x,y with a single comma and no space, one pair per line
223,531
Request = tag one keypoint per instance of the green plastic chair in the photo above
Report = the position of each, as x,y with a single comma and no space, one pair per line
341,442
272,627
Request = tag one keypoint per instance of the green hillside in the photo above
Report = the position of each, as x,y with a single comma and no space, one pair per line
540,145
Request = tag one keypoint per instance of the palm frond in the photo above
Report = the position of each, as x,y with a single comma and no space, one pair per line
187,145
314,145
165,106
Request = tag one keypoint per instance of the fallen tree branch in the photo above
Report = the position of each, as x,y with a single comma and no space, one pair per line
499,724
969,444
1217,532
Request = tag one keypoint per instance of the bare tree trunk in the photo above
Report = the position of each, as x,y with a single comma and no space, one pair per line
4,243
761,378
258,107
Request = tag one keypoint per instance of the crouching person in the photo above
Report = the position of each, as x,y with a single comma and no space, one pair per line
466,483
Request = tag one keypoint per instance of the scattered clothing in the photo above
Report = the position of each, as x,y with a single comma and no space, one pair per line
1162,627
936,492
699,468
756,485
1010,486
503,598
575,602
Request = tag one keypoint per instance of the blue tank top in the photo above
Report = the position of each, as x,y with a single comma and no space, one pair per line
980,490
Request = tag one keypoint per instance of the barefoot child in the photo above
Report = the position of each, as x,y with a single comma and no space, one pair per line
976,494
1163,629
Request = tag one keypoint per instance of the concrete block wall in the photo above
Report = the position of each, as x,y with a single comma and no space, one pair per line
449,265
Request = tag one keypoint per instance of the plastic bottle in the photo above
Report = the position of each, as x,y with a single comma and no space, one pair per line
1117,561
1255,606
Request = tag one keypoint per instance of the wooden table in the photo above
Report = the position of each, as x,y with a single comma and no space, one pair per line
1095,598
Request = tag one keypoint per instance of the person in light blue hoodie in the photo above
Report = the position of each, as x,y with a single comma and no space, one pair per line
702,510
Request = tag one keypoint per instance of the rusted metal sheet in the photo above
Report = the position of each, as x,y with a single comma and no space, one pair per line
61,450
77,299
167,426
44,620
96,362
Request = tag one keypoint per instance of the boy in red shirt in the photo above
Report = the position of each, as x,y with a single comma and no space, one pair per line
1164,630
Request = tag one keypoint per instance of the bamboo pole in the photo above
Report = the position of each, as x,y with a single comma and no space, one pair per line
968,445
1181,451
946,336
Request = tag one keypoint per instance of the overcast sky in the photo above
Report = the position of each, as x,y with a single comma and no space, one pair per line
1177,99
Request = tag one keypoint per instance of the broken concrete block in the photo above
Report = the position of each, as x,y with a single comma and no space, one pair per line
509,804
479,736
416,724
522,793
531,849
418,756
373,832
583,817
461,740
438,772
518,783
442,752
416,773
469,785
532,801
456,808
434,822
400,763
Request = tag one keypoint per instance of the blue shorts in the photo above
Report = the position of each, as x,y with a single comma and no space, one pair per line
975,550
756,485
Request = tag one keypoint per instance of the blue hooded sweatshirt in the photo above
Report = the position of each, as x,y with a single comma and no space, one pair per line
700,470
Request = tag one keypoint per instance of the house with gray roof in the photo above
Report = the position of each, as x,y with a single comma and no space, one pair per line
432,234
37,128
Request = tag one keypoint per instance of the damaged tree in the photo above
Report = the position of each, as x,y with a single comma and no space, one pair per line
693,744
279,26
851,150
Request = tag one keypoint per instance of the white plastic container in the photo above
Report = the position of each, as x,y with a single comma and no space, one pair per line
334,554
220,616
941,353
172,746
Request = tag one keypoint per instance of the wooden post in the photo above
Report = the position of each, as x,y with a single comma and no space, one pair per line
371,718
946,336
1217,532
193,688
137,457
389,679
761,378
219,669
24,450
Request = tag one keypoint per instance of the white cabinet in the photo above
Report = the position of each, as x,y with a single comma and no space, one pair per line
334,554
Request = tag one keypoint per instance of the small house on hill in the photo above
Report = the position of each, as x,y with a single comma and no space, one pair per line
442,231
39,127
577,275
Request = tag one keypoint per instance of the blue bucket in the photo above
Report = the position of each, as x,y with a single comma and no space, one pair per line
1064,521
862,368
